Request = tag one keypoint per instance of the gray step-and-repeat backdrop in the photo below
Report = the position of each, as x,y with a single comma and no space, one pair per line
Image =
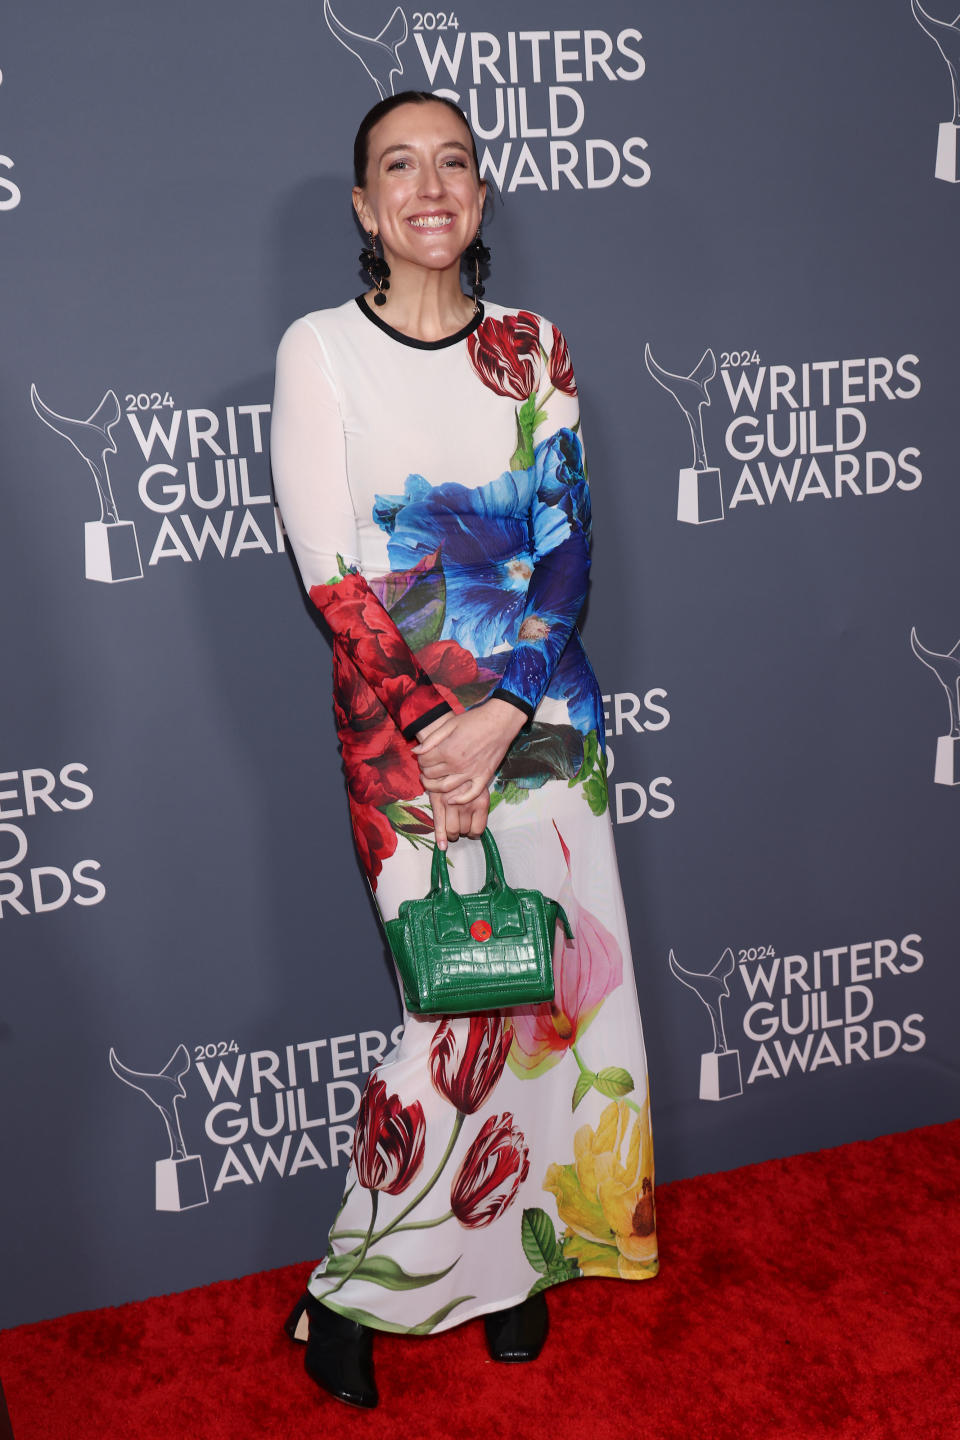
745,217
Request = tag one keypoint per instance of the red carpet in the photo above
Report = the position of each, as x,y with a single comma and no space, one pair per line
817,1296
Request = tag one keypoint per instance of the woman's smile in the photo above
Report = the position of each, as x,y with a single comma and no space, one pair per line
431,222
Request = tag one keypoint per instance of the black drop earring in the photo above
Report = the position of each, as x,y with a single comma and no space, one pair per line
377,269
476,254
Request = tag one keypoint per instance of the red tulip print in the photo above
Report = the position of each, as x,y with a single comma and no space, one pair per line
467,1059
490,1174
506,354
389,1140
561,366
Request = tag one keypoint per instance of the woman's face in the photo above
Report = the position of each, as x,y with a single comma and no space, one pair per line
423,195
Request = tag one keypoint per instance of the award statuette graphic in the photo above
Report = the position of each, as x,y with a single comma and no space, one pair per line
946,36
946,770
111,548
701,497
378,54
181,1183
720,1077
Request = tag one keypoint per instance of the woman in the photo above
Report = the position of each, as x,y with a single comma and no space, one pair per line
429,468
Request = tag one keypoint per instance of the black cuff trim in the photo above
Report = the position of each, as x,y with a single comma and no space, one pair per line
409,732
511,699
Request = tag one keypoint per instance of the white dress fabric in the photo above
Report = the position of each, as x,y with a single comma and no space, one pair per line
436,500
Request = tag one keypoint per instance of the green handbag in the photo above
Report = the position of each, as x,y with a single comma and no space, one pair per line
491,950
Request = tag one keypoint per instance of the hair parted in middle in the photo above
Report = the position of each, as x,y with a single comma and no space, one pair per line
361,145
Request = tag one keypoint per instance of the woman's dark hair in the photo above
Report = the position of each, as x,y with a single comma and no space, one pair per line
361,145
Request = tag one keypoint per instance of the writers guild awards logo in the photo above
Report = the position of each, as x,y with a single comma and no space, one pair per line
700,498
180,1181
946,36
947,670
720,1077
378,54
110,544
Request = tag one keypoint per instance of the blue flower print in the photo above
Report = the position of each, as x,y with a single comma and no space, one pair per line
574,682
513,552
554,600
561,481
483,534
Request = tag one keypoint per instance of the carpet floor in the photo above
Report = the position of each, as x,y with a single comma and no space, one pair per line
810,1297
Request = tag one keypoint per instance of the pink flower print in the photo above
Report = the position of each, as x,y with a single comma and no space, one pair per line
586,969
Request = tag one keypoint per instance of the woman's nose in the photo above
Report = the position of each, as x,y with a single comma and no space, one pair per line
431,182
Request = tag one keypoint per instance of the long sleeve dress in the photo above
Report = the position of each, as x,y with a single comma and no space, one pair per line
435,496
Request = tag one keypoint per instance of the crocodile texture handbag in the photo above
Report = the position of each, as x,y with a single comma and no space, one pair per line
490,950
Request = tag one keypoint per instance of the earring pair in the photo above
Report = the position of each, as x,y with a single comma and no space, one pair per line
476,255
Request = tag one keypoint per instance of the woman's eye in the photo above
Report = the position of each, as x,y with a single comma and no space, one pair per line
397,165
460,164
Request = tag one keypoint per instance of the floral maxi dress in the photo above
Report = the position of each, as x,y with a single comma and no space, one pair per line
436,499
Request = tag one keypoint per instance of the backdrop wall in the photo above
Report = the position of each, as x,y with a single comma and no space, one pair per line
767,187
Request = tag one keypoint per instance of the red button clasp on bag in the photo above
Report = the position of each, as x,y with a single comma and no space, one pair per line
480,930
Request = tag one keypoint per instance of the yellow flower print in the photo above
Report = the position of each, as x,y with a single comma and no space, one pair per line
605,1197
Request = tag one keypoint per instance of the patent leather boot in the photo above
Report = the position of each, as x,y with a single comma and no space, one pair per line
339,1354
296,1324
518,1333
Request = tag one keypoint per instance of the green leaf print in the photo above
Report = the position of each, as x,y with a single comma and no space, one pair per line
585,1083
592,774
543,1249
410,821
522,457
381,1270
613,1081
589,762
564,1269
539,1239
512,793
595,792
363,1317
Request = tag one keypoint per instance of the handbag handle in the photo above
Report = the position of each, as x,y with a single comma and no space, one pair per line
449,915
505,911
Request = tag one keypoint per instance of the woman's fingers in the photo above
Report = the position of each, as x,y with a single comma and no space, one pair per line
451,822
479,811
443,786
468,794
439,820
434,734
430,765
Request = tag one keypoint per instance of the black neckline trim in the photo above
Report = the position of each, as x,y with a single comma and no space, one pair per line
468,329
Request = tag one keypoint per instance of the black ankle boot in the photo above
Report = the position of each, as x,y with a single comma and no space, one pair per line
296,1323
518,1333
339,1356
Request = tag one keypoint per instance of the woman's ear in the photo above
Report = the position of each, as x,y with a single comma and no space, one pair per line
362,209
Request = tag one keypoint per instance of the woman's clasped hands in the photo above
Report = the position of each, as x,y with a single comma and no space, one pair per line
458,757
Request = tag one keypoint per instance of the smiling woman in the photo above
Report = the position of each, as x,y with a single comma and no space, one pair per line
418,191
429,465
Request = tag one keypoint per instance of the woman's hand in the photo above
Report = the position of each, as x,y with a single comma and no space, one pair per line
452,821
460,754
